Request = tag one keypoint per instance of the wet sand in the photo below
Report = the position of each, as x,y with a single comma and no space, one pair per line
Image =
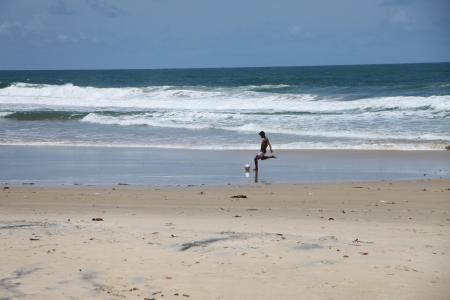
56,166
370,240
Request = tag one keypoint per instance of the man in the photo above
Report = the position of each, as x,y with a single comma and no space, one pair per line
262,154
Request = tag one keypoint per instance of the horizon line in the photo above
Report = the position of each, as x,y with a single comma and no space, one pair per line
233,67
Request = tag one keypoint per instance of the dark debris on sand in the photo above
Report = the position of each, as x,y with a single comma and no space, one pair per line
187,246
241,196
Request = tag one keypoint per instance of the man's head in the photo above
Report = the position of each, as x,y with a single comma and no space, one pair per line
262,134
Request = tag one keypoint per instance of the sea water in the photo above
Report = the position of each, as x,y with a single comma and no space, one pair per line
405,106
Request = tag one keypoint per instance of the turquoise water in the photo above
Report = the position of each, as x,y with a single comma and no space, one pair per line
335,107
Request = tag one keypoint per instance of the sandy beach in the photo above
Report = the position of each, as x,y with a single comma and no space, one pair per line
227,150
370,240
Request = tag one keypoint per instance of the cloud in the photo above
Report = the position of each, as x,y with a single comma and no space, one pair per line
397,2
299,32
105,8
398,16
73,38
8,27
60,8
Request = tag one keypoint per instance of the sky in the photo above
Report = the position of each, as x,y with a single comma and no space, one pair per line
114,34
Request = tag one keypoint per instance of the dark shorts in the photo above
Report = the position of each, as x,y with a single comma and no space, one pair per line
260,155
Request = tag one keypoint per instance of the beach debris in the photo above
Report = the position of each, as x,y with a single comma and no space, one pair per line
168,277
156,293
330,219
121,183
424,190
34,239
201,193
237,216
364,253
186,295
202,243
328,238
387,202
28,183
6,187
97,219
173,236
345,256
405,268
280,235
176,294
356,241
149,298
133,289
240,196
343,211
447,147
357,187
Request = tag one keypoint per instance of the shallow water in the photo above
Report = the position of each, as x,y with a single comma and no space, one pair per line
51,166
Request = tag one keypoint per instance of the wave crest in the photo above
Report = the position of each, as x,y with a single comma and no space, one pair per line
245,98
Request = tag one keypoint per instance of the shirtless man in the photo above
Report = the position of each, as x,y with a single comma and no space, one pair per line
262,154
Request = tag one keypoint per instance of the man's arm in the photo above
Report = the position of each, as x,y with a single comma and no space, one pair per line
270,146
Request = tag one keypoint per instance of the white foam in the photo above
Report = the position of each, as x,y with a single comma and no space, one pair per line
342,134
288,146
5,113
211,99
373,121
293,125
145,119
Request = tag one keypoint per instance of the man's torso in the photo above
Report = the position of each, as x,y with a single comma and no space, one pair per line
264,145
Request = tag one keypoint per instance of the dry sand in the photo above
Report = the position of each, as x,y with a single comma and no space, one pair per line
317,241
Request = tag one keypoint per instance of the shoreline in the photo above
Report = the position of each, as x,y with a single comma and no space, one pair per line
377,240
375,148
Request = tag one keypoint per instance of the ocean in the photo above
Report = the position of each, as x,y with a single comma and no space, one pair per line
401,107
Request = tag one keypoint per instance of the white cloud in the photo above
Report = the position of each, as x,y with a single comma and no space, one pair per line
32,25
299,31
73,38
62,37
8,27
398,16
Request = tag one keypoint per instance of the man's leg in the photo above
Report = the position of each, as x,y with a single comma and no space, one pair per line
256,163
267,157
